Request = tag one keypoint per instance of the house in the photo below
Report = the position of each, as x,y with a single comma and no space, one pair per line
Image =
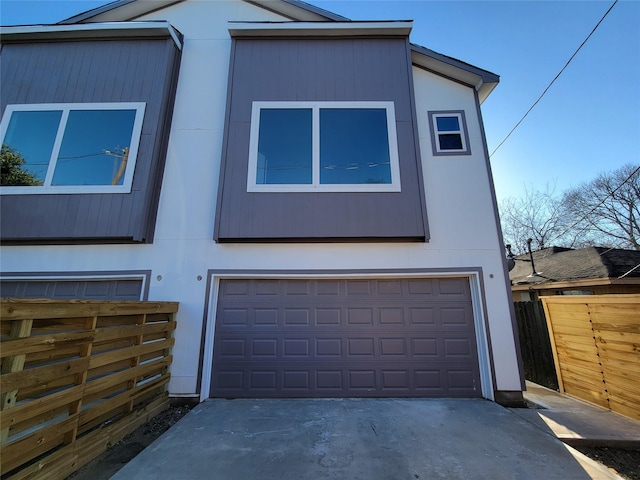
314,192
567,271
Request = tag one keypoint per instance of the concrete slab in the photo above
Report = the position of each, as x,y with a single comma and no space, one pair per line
354,439
576,422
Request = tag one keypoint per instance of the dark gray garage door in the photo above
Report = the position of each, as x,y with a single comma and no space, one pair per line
72,289
345,338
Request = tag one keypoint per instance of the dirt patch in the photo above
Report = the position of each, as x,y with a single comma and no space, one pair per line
116,457
626,462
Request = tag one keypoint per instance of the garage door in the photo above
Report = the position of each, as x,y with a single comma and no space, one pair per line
72,289
345,338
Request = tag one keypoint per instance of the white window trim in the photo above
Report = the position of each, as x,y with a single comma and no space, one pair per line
465,150
47,188
316,186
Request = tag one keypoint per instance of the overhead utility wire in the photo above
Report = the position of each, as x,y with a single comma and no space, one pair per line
554,79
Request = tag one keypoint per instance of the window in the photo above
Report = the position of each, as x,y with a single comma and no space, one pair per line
449,133
323,146
70,148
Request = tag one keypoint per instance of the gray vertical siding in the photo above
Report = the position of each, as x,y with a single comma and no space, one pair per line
364,69
132,70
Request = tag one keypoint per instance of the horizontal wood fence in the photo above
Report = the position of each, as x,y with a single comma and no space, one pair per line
535,344
77,376
596,344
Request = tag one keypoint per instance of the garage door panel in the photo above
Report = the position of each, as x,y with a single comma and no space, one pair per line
391,317
296,316
272,381
345,338
341,348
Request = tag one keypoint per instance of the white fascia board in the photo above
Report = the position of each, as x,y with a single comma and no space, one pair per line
119,11
90,31
300,11
325,29
481,80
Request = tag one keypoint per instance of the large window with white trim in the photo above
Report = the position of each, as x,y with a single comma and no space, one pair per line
70,148
323,146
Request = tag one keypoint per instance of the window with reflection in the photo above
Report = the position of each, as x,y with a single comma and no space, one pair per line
323,146
449,133
67,148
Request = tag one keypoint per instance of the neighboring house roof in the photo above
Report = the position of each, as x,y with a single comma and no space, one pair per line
565,267
481,80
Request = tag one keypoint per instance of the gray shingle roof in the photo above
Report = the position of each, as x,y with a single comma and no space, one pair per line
557,264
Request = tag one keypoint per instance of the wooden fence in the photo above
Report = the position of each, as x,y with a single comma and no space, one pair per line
77,376
596,345
535,345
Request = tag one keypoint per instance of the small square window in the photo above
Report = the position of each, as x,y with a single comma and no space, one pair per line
71,148
449,133
323,146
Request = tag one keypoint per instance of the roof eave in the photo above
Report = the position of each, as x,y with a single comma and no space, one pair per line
125,10
325,29
107,30
481,80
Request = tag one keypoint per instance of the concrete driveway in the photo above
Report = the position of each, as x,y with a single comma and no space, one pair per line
368,439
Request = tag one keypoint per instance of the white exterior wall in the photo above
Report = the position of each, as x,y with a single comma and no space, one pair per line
459,205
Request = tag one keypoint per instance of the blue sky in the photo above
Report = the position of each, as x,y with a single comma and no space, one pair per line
587,123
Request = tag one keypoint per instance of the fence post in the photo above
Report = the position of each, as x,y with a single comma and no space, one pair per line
14,363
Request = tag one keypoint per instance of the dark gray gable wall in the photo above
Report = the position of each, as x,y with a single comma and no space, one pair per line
319,69
93,71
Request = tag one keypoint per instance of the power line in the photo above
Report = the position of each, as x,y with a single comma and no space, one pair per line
554,79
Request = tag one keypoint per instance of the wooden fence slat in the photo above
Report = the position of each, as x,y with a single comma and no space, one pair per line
27,448
42,343
22,413
112,333
75,368
24,309
129,352
117,401
96,386
612,322
50,466
40,375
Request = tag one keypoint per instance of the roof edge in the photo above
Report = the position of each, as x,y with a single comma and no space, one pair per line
90,31
299,29
483,81
130,9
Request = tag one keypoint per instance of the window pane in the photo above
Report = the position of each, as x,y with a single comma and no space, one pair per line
448,124
32,135
284,146
94,147
450,141
354,146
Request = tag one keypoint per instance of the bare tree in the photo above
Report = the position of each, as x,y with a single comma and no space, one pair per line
540,216
607,209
